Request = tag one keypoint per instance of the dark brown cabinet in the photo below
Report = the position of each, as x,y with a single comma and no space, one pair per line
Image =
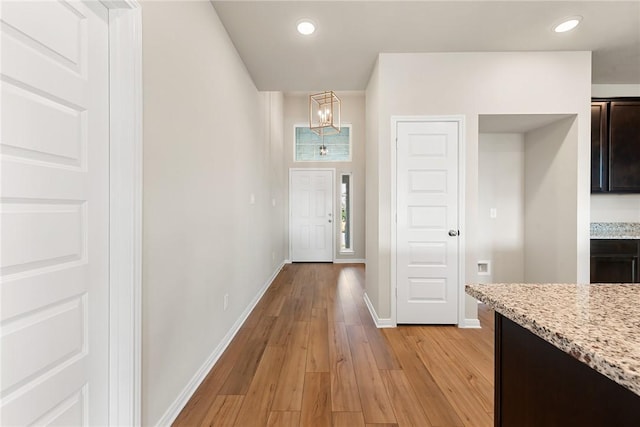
624,146
615,261
599,152
537,384
615,145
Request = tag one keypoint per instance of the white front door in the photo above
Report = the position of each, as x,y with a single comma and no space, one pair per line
311,207
54,213
427,263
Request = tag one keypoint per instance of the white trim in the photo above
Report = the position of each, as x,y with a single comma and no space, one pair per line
462,175
333,211
125,212
470,324
394,222
460,119
179,403
349,261
380,323
306,125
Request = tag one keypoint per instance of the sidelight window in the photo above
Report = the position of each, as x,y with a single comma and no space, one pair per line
346,186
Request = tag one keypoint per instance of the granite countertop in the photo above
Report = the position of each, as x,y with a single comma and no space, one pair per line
615,230
597,324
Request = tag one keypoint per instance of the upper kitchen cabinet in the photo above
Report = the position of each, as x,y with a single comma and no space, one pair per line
615,145
624,146
599,152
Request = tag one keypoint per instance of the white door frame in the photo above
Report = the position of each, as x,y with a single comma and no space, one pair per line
125,211
459,120
333,209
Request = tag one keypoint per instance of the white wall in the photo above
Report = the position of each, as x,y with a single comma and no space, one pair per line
615,207
501,187
296,111
210,141
613,90
278,178
372,207
551,203
471,84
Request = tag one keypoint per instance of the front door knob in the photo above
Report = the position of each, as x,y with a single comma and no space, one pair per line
453,233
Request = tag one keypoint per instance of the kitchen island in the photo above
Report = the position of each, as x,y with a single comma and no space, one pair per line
565,354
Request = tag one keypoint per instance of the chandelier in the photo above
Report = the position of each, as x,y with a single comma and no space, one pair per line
324,116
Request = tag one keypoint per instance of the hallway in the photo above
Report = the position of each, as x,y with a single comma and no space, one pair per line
310,355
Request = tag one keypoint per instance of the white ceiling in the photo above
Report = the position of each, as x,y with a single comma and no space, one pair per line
341,53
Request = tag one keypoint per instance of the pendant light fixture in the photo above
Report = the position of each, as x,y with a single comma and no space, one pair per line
323,148
324,116
324,113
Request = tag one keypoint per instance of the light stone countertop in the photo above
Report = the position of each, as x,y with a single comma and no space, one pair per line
615,230
597,324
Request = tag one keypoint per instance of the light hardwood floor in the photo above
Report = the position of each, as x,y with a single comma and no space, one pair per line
310,355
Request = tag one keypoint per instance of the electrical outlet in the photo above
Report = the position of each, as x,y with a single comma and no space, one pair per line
484,268
493,213
226,301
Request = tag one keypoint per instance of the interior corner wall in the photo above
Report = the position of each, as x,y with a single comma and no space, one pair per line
469,84
211,140
615,207
550,203
501,187
278,180
352,110
372,110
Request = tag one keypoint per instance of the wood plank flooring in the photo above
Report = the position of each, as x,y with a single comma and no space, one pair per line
310,355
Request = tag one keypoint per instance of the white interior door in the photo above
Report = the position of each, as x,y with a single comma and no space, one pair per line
427,222
54,213
312,223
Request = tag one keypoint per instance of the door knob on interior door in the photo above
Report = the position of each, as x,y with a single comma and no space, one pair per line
453,233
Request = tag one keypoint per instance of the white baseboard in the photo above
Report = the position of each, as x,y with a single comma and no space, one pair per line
349,261
470,324
380,323
174,409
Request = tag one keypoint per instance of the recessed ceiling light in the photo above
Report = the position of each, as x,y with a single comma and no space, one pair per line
568,24
306,27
